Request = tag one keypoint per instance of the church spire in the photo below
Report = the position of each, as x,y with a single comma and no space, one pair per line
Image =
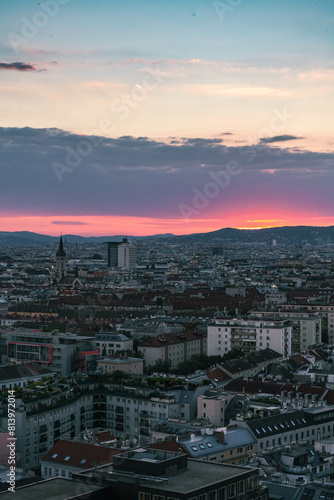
61,260
61,252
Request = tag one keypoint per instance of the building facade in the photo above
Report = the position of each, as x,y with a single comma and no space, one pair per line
174,347
122,254
109,344
325,311
62,353
249,336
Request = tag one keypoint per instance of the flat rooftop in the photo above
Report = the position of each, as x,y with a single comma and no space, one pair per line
51,489
198,474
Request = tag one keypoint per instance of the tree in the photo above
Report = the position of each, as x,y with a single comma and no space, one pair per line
160,366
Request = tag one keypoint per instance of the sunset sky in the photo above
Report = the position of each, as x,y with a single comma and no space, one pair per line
156,116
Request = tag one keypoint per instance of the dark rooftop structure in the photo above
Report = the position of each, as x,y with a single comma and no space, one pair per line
173,475
56,489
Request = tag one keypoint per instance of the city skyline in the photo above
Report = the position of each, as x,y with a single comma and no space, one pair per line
145,118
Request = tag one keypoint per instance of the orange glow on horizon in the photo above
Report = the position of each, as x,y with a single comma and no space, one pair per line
142,226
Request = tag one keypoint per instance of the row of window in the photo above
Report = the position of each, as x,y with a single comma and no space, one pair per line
225,493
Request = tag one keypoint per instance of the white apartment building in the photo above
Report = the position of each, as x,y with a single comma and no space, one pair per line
249,335
306,327
111,343
127,255
130,416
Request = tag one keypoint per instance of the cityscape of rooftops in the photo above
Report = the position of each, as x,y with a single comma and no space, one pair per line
166,250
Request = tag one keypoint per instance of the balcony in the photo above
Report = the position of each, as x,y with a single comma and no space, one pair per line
297,470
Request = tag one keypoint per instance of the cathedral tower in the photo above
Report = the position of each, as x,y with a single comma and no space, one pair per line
60,261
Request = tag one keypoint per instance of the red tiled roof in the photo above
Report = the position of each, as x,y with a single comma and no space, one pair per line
83,455
258,387
217,375
170,445
174,338
104,436
300,360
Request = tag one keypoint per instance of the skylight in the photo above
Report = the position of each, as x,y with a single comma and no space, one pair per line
83,461
202,446
54,455
194,448
67,458
209,445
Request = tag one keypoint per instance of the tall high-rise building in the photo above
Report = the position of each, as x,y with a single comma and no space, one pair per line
122,254
113,253
60,261
127,254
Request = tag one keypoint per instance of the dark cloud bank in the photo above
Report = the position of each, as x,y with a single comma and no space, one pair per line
151,178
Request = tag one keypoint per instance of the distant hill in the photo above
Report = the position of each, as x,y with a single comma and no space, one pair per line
26,238
287,234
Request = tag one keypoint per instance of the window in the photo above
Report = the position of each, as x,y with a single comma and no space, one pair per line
213,495
231,490
241,487
239,450
144,496
250,483
250,447
222,494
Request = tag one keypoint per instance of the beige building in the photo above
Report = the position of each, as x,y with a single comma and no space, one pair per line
213,408
325,311
174,347
306,329
127,365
